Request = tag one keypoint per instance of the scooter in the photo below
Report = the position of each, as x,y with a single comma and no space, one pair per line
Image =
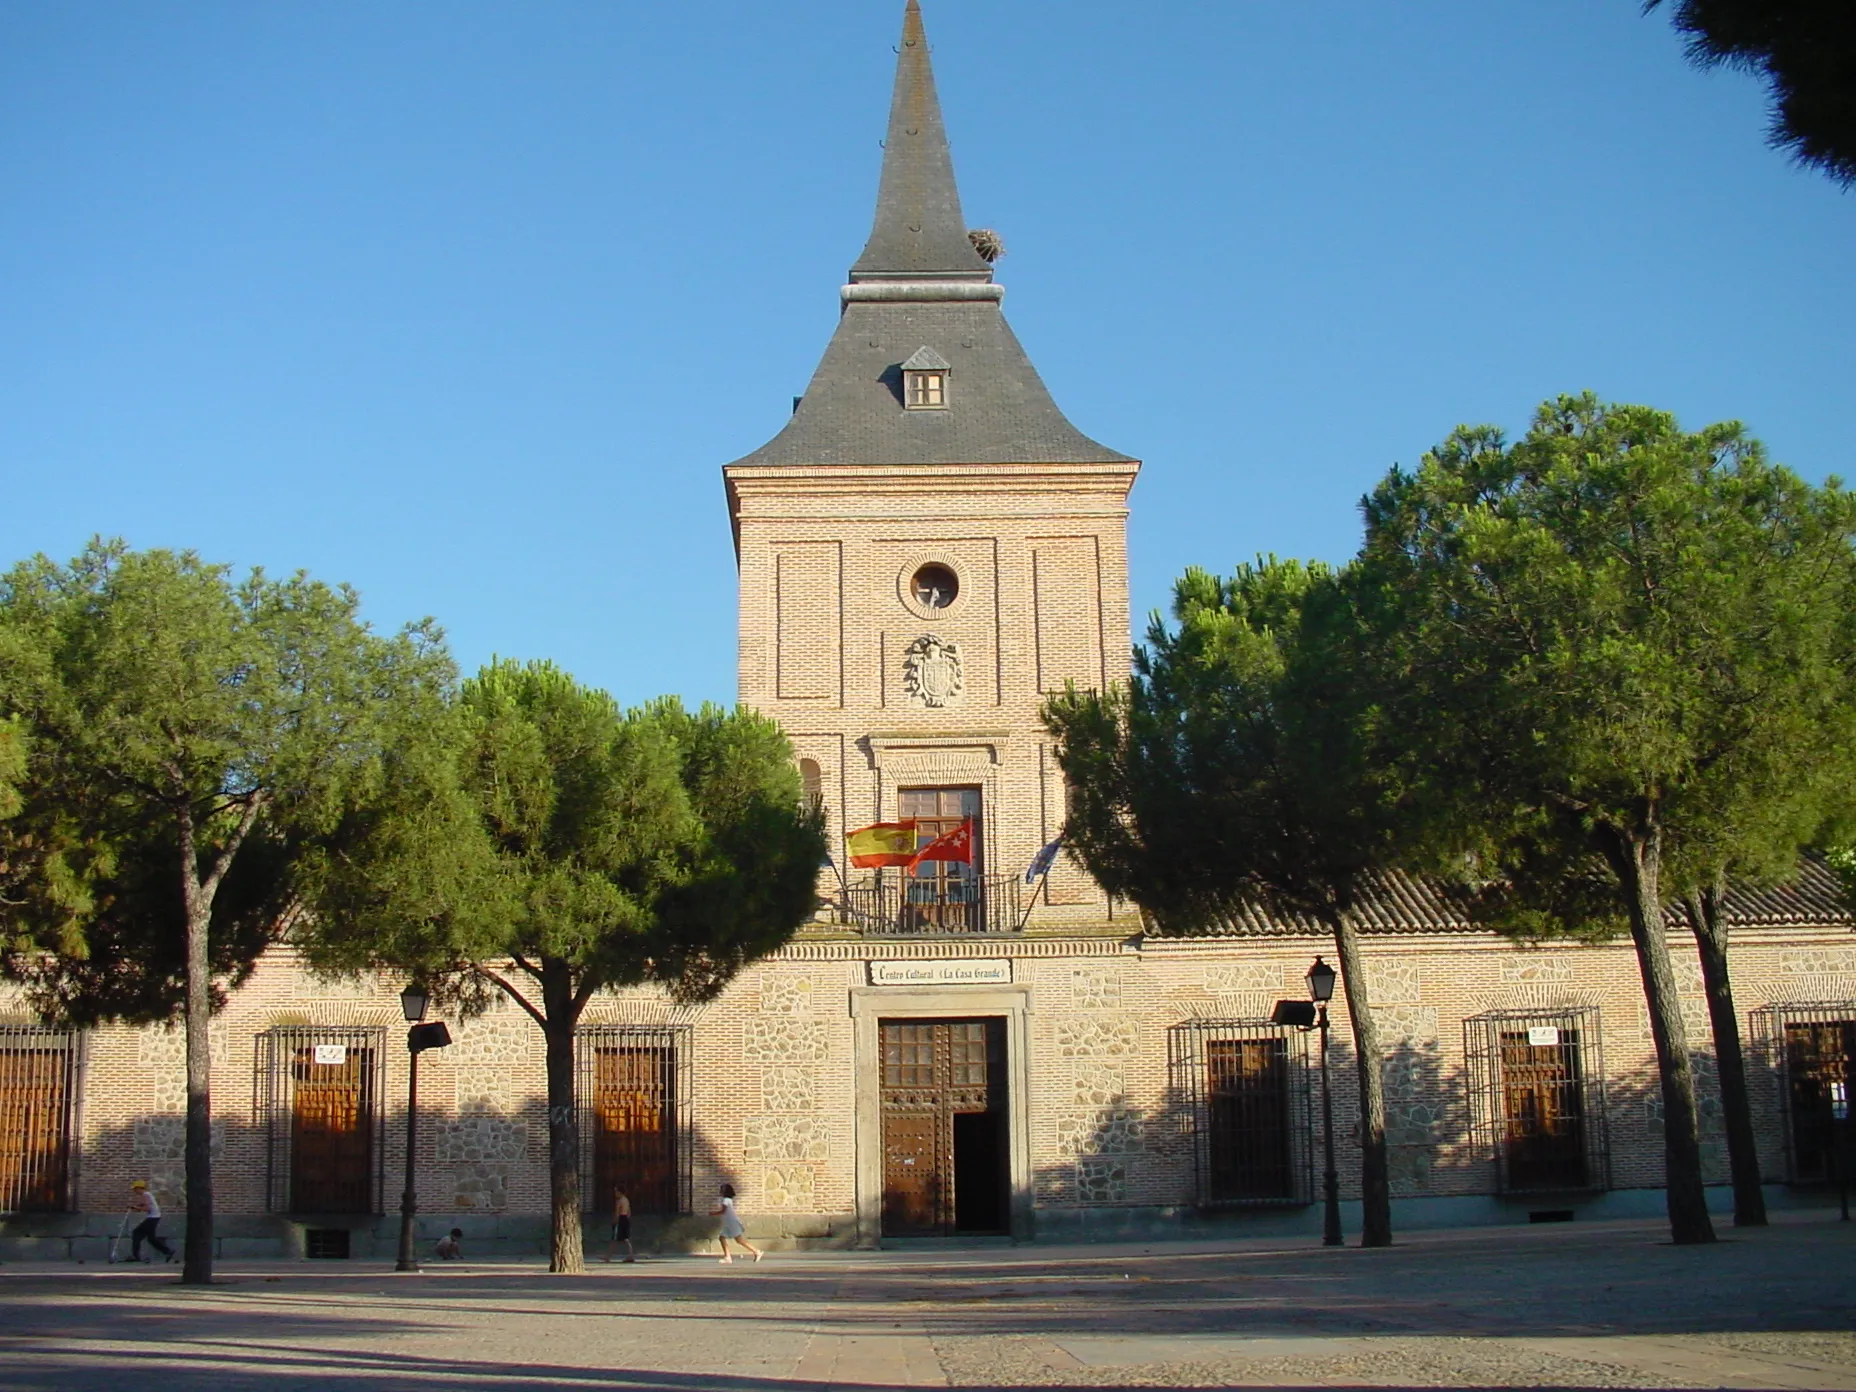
121,1228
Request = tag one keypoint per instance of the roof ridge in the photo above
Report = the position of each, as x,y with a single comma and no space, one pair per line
1402,901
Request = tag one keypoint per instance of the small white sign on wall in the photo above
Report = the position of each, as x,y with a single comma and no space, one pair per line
956,971
1543,1036
332,1055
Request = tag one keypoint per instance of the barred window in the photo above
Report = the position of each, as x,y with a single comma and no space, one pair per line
38,1094
321,1096
1248,1086
633,1088
1813,1047
1537,1101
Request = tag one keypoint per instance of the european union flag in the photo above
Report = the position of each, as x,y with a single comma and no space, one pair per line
1042,862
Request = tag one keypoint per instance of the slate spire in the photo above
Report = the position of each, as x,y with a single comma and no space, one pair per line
921,297
919,232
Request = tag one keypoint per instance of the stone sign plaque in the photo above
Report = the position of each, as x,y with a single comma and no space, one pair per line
954,971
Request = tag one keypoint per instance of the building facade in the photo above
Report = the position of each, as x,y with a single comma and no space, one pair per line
927,550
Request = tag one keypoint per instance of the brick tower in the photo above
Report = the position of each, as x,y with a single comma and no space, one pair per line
926,551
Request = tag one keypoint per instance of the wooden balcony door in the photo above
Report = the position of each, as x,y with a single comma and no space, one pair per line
941,895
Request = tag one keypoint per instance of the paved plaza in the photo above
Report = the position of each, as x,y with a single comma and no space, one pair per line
1610,1305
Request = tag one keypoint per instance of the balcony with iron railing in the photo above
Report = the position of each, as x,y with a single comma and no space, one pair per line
894,906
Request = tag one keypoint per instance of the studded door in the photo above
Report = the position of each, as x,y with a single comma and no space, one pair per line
933,1072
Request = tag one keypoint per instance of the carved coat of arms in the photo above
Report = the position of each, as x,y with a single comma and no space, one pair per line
931,671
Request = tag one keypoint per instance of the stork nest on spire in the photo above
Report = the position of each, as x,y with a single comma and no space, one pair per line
988,243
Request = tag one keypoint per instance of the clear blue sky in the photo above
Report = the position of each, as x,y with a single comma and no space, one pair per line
466,304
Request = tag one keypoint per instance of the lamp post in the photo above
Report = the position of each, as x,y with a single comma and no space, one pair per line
1840,1144
419,1038
1321,991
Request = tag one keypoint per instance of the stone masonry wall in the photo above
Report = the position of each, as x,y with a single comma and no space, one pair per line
772,1077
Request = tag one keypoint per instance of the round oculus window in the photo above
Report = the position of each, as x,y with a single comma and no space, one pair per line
934,586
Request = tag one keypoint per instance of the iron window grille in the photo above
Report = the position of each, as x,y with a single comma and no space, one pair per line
1247,1085
1810,1048
1537,1099
632,1085
321,1098
38,1110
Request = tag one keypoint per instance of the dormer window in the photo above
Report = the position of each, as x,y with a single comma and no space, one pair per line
927,389
924,381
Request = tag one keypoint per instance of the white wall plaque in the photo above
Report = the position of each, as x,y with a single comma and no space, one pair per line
953,971
1543,1036
333,1054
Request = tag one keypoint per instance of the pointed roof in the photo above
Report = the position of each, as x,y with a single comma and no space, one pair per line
919,230
920,284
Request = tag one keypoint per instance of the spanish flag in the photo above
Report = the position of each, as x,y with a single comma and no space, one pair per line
882,843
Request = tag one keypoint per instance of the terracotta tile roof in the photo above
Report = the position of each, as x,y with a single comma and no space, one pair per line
1401,903
1813,899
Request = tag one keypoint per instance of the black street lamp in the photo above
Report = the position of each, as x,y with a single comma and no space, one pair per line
1840,1143
1309,1015
1321,991
413,1001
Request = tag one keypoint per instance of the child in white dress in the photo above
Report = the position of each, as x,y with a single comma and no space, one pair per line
731,1225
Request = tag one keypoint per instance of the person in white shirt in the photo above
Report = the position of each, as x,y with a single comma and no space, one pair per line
731,1225
142,1201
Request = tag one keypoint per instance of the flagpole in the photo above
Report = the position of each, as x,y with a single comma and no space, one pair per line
844,889
1031,902
1043,875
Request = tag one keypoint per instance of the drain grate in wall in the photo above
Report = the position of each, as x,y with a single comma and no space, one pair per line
326,1243
1539,1215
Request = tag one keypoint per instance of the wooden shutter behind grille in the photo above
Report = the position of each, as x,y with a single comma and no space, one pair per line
35,1120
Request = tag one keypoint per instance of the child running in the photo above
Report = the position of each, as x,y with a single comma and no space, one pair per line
731,1225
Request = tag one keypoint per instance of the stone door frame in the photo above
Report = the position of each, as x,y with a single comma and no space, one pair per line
870,1004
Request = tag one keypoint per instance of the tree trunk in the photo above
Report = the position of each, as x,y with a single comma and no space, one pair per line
1637,861
565,1254
1710,924
197,899
1375,1176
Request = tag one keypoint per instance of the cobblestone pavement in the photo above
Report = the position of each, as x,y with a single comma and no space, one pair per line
1610,1305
